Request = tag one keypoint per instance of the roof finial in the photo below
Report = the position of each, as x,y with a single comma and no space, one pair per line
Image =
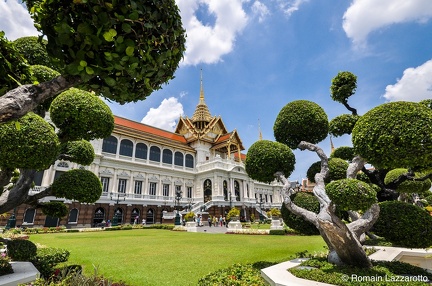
201,88
259,128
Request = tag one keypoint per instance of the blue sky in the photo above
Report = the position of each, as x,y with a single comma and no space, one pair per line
257,56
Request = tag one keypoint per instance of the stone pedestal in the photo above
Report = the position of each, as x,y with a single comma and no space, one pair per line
234,225
276,224
191,226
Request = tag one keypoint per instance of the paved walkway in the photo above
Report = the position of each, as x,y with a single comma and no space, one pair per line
212,229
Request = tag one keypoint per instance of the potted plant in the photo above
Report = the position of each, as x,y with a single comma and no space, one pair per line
233,214
189,216
274,213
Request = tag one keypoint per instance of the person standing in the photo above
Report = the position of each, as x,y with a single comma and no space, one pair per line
209,221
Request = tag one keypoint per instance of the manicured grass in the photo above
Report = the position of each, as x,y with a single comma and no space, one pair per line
163,257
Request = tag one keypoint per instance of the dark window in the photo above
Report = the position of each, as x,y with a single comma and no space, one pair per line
138,188
73,216
110,145
58,174
237,190
178,159
29,215
189,192
38,178
122,186
189,161
141,151
167,156
155,154
207,190
126,147
105,184
225,190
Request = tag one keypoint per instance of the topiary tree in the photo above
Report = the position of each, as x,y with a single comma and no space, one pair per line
120,51
404,224
392,135
337,170
344,152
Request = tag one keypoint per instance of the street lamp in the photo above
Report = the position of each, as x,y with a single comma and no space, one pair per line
116,211
177,199
11,221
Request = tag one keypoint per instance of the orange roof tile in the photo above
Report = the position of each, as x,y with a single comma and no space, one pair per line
148,129
224,137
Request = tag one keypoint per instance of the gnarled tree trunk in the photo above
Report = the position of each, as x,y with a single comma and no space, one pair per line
343,240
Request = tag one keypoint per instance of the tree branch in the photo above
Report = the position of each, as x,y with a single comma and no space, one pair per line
366,221
33,200
18,194
352,109
5,177
319,189
25,98
287,191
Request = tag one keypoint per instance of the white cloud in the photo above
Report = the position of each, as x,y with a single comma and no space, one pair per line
290,6
15,20
206,43
415,85
165,115
260,10
366,16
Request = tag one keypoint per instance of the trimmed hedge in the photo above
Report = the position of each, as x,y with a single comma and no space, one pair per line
21,250
404,224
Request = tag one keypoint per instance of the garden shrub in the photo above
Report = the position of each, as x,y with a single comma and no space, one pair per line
21,250
351,194
277,232
307,201
408,186
382,271
237,274
404,224
47,258
337,170
5,266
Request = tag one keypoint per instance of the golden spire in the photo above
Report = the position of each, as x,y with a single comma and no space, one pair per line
201,88
259,129
332,148
202,113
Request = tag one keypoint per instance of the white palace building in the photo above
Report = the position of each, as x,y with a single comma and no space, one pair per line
147,173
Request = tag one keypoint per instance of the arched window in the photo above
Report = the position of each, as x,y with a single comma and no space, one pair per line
178,158
29,216
110,145
189,161
141,151
119,213
167,156
99,216
150,217
225,190
207,190
135,217
155,153
73,216
237,190
126,148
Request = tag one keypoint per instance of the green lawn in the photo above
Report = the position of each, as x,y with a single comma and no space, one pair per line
162,257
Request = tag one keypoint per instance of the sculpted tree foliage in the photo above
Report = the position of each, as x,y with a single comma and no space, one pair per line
121,51
392,135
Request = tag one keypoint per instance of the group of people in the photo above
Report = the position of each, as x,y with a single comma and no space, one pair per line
212,221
